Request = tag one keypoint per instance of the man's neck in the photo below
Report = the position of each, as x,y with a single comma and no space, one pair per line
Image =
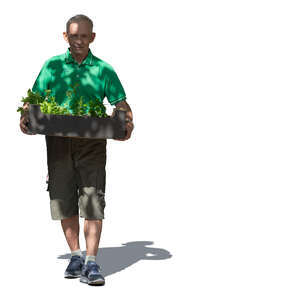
79,58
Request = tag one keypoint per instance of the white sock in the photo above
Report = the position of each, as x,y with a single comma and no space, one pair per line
76,252
89,258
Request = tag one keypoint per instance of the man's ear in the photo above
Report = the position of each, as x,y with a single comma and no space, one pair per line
65,36
93,37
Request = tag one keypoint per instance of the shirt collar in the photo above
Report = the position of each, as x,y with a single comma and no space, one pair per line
87,61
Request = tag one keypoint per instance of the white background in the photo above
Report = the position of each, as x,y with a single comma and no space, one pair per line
211,173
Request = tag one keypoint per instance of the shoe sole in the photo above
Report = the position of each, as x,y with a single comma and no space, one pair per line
70,276
91,282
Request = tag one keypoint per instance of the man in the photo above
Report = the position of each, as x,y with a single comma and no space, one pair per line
76,166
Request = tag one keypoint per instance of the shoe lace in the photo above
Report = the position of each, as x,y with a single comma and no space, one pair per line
75,260
95,268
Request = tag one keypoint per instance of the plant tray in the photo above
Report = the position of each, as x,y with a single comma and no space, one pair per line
77,126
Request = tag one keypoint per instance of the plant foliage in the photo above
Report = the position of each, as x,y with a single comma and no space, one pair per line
77,107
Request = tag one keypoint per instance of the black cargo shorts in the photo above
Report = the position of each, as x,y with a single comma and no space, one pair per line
76,170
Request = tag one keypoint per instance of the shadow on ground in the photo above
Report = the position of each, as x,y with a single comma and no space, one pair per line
116,259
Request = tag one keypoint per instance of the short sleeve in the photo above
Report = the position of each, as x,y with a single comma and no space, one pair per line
114,90
42,81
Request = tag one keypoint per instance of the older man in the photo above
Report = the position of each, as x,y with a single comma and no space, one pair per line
76,166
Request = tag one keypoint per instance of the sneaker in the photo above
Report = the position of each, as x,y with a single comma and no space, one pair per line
90,274
75,266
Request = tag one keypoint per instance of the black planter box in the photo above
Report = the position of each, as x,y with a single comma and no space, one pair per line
77,126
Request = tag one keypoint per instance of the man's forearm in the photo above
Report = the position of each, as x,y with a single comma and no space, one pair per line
123,105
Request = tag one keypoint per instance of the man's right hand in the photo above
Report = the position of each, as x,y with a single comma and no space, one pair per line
24,120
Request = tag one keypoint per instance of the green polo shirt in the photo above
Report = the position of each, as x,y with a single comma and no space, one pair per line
95,79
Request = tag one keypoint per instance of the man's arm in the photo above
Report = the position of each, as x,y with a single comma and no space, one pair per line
123,105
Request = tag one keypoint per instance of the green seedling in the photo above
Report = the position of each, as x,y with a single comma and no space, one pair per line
78,107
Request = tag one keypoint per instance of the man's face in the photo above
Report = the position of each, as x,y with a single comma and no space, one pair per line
79,37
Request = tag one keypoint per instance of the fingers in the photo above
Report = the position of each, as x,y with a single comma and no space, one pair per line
129,128
23,121
23,127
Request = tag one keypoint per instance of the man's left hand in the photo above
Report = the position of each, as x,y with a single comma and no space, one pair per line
123,105
129,128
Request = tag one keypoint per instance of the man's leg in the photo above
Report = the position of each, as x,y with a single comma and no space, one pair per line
90,164
92,233
90,273
71,230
